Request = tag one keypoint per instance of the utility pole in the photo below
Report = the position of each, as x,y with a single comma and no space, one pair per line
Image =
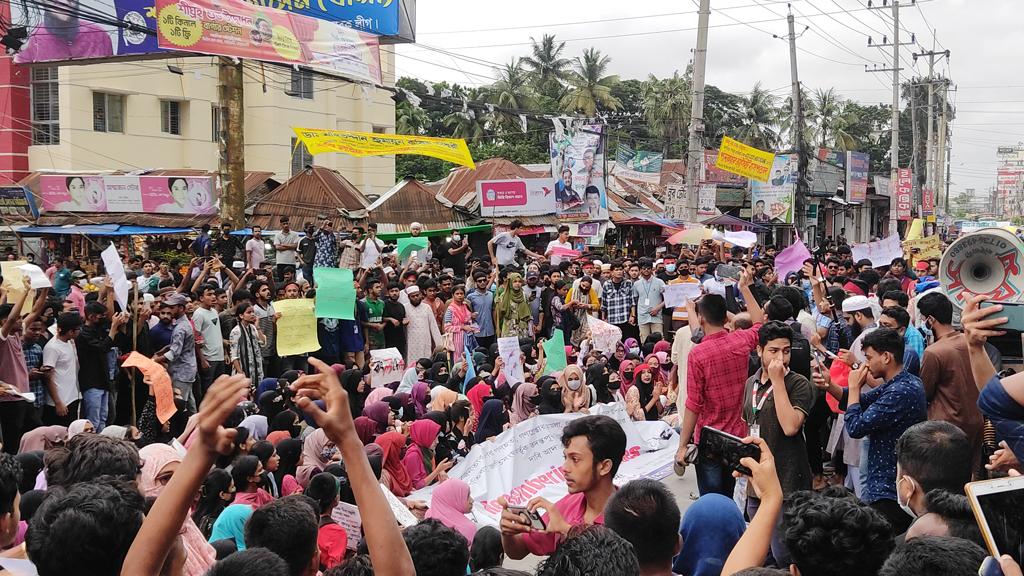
933,150
231,142
800,205
695,154
894,152
943,152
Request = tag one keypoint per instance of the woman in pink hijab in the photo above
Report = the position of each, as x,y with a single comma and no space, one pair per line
419,458
449,504
159,463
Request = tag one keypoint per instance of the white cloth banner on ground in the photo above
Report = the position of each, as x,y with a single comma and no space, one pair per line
880,253
677,294
604,335
115,270
508,349
526,461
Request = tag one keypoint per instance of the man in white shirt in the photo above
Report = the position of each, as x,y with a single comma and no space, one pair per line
286,242
254,249
561,242
504,246
60,362
371,248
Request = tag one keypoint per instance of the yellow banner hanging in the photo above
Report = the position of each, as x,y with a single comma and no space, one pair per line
318,141
738,158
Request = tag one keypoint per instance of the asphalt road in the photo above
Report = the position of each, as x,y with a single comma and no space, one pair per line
682,488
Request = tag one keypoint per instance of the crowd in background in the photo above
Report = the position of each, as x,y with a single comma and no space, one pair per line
870,408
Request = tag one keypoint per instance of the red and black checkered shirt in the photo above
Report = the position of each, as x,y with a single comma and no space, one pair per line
715,375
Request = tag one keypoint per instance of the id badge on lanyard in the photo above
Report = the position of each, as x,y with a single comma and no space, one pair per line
755,428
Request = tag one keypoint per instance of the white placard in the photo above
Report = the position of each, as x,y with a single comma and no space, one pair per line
386,366
508,349
36,276
400,510
347,516
741,238
604,335
880,253
115,270
677,294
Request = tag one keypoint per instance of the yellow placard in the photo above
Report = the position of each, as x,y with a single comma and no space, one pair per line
296,328
928,247
916,229
14,285
369,144
738,158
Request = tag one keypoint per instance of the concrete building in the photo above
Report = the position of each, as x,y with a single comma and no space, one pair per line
164,114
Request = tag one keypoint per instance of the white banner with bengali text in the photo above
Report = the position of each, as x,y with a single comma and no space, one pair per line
526,461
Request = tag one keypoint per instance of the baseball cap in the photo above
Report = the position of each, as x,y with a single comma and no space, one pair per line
176,299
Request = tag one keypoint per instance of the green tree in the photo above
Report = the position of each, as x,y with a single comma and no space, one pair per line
666,105
411,119
758,125
590,89
549,69
832,119
722,115
512,90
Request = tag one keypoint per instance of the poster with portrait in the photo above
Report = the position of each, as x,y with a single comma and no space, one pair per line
151,194
772,201
577,165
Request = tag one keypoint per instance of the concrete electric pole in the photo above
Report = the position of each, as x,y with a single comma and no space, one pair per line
800,205
695,149
231,143
894,152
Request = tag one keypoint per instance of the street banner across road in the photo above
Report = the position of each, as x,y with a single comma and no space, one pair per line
526,461
239,29
318,141
738,158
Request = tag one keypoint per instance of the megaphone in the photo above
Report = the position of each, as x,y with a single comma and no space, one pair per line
987,262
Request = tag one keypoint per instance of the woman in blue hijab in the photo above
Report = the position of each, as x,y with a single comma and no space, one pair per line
710,529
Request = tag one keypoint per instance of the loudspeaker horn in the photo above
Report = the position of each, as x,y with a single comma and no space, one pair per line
989,261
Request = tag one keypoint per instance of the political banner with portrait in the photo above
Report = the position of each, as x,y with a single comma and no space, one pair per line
826,172
772,201
638,165
239,29
151,194
577,165
56,33
384,17
858,164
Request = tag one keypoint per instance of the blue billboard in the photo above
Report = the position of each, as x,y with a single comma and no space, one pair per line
391,18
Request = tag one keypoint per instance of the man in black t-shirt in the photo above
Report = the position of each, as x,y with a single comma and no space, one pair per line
394,319
307,252
456,253
226,247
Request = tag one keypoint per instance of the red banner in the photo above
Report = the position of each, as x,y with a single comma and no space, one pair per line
904,191
927,202
714,174
242,30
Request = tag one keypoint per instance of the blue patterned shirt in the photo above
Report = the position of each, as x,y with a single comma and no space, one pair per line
34,359
882,416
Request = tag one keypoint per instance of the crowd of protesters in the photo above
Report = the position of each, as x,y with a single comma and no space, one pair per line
871,410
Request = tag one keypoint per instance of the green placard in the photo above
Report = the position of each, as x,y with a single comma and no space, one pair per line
335,293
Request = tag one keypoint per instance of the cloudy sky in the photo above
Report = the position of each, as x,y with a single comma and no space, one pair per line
657,37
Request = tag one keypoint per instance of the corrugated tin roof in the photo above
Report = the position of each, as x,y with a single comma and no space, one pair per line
316,191
459,187
411,201
256,183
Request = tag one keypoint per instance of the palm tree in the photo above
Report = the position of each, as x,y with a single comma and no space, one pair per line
786,118
758,126
589,89
666,105
512,90
411,119
547,66
832,117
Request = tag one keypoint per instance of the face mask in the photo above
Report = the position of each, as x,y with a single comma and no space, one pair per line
684,273
671,268
575,384
805,284
905,506
401,412
295,431
634,350
666,366
456,238
629,374
82,283
614,385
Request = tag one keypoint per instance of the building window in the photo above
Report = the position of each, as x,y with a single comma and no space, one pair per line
302,84
170,117
300,157
215,122
107,112
45,106
380,129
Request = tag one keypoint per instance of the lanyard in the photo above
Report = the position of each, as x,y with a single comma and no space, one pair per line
755,405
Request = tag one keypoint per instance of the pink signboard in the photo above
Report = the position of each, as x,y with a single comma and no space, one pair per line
152,194
516,197
904,188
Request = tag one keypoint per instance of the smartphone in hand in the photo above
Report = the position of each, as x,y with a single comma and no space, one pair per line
536,521
726,449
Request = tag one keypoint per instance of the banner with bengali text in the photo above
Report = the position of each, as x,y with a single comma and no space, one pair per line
738,158
239,29
772,200
318,141
904,190
857,166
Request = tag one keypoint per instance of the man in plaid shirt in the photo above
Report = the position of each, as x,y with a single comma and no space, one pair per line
618,306
715,377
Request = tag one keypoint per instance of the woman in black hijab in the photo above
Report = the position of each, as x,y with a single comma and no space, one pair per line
352,382
550,396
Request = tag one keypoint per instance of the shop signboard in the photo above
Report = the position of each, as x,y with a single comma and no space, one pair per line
904,189
857,166
152,194
17,201
516,197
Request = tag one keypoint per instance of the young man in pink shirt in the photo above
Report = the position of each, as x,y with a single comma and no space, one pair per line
594,447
